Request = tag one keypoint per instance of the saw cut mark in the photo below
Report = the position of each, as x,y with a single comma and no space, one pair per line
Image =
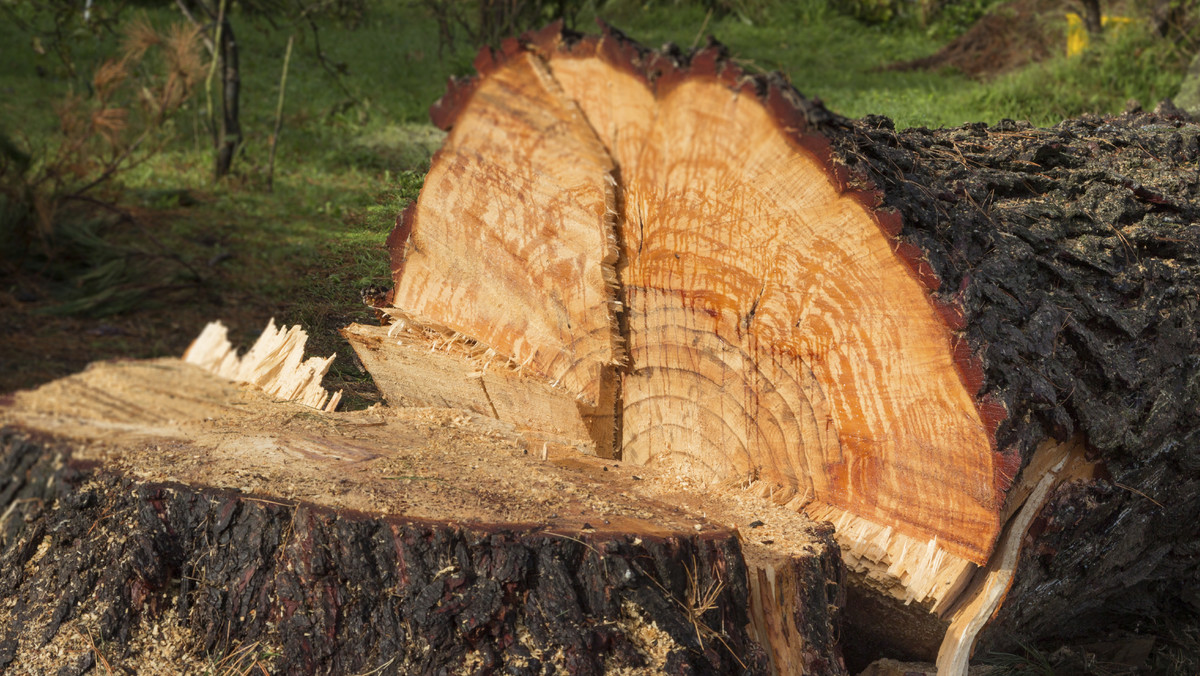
520,154
275,364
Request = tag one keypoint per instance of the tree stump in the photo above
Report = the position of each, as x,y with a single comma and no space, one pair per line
972,350
161,519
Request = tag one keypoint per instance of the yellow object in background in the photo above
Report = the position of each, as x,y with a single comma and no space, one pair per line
1077,35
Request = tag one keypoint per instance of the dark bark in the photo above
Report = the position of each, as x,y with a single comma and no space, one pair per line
1091,16
230,133
227,132
330,592
1074,255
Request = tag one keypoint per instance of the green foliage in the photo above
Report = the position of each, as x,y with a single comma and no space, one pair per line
60,28
106,270
48,186
487,22
873,11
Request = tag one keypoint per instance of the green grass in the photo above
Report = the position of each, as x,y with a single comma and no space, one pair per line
825,54
840,60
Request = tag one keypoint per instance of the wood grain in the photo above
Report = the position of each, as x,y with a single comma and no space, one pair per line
773,330
511,242
777,336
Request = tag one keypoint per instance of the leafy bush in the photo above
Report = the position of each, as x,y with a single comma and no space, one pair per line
951,19
487,22
874,11
943,19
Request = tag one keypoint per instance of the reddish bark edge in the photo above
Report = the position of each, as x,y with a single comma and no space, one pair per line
799,119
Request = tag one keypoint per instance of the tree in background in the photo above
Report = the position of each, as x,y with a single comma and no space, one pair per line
221,42
1091,16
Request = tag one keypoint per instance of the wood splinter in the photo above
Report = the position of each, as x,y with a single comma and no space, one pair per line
275,364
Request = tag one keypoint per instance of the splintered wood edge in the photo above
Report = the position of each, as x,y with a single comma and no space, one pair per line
898,564
275,364
568,329
1052,465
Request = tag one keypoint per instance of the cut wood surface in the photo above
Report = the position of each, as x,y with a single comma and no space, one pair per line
549,298
887,330
414,539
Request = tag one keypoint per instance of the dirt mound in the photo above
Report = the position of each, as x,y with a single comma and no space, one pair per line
1009,37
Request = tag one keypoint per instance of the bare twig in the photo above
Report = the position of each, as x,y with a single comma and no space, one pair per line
112,168
700,33
87,635
700,603
212,68
697,605
380,668
1131,489
568,537
287,57
324,60
12,506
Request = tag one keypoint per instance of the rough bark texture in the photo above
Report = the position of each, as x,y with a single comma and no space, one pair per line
332,592
1073,253
229,135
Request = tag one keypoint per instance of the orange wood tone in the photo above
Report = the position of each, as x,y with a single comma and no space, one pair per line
511,242
776,331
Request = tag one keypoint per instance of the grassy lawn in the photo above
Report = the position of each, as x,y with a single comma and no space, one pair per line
354,148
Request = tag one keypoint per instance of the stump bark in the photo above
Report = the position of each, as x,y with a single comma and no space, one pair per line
972,350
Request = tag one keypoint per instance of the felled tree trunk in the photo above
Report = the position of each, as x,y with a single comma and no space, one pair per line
158,519
971,350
